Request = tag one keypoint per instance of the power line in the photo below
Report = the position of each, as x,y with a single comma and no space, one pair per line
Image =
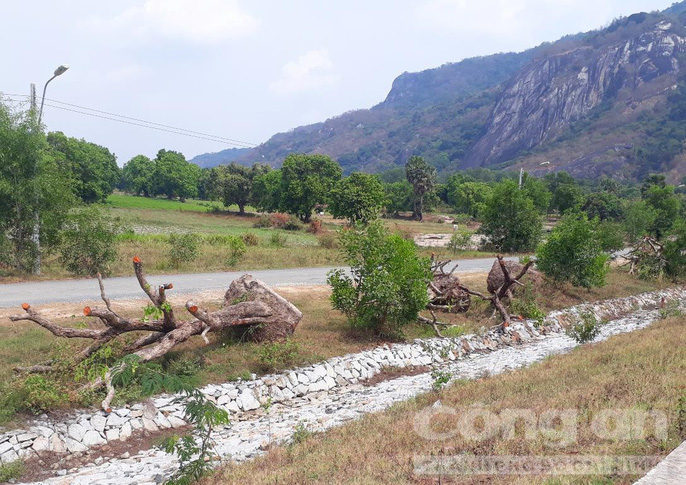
144,123
145,126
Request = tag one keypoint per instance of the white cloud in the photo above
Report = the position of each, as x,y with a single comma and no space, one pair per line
312,70
505,17
206,21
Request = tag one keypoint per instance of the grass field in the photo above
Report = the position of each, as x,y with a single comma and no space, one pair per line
644,370
152,219
322,333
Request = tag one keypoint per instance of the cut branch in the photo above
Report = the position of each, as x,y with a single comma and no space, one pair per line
247,303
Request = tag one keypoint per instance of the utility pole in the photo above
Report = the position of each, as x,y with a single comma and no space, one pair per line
33,97
35,237
521,176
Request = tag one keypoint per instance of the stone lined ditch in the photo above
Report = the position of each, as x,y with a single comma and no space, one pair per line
321,396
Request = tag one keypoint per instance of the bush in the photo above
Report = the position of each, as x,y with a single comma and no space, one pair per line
388,285
250,239
526,306
88,242
263,221
315,227
185,248
278,355
11,471
586,329
293,224
40,394
236,248
278,239
573,253
279,220
460,241
328,240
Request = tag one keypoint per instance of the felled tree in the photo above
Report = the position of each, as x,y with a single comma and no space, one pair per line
248,303
502,276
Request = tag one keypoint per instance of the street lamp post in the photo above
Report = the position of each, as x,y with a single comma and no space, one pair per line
36,211
58,72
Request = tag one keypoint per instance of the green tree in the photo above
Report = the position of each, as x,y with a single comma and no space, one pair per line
566,193
467,197
266,191
654,179
174,176
398,197
603,205
422,177
666,206
35,194
510,220
675,252
92,168
306,181
538,192
88,241
639,217
387,286
358,198
573,253
138,175
233,184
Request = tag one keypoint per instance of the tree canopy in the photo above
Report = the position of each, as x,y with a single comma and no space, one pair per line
358,198
174,176
306,181
422,176
93,168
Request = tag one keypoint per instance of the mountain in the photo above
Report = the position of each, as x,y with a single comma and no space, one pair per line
208,160
603,102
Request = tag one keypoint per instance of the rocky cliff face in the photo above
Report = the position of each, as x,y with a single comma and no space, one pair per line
551,92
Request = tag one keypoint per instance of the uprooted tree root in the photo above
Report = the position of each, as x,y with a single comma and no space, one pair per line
248,303
447,294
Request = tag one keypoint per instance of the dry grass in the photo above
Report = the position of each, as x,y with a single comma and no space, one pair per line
644,370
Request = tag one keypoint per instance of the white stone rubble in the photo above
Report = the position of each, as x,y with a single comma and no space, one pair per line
323,395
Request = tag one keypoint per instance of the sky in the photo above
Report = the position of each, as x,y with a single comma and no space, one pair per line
245,70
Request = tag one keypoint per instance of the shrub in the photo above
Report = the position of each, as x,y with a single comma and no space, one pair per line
88,242
293,224
41,394
573,253
328,240
185,248
279,220
526,306
263,221
388,285
278,239
675,252
440,379
250,239
236,248
278,355
585,329
11,471
460,241
315,227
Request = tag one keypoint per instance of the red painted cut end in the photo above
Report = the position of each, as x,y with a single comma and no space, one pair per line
87,311
25,306
136,259
193,309
170,286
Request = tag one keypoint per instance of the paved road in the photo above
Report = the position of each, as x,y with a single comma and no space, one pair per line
671,471
43,292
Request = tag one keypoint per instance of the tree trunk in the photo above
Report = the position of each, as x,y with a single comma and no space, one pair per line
248,303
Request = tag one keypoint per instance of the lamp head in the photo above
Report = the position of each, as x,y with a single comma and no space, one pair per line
61,70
